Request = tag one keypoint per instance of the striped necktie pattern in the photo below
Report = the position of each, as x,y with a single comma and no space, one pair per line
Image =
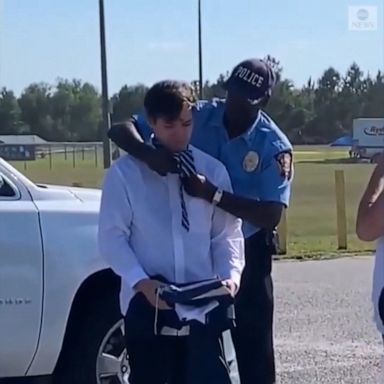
186,167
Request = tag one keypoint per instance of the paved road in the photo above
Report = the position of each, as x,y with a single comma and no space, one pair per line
324,329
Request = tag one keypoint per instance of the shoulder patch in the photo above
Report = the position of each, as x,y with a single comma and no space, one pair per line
285,162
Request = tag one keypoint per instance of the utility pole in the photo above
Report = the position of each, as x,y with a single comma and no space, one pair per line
200,52
104,88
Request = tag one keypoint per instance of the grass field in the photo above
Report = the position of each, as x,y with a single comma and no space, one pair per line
311,217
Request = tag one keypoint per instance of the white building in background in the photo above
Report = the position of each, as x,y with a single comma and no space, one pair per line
22,139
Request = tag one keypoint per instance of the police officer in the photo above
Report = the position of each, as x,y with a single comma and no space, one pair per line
258,157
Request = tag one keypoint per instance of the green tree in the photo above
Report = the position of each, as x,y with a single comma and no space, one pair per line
318,112
75,109
34,104
128,101
10,114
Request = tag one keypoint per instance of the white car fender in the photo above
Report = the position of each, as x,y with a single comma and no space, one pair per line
70,257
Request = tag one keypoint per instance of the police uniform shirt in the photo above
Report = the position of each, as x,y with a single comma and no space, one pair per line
378,286
259,162
141,232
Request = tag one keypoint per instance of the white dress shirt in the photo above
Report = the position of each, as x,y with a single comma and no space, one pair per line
140,230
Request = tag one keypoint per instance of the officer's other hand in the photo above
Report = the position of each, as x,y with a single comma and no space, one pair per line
231,286
148,288
199,186
161,161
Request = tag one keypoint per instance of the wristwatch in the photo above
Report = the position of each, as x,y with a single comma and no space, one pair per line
217,196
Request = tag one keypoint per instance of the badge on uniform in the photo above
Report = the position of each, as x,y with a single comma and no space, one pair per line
284,160
251,161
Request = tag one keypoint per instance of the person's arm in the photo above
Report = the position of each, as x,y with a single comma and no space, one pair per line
274,193
262,214
114,233
128,136
370,215
227,240
115,220
275,187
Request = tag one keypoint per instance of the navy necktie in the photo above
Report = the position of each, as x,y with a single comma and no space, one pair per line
186,168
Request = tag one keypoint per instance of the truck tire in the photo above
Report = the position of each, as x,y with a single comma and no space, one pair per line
80,357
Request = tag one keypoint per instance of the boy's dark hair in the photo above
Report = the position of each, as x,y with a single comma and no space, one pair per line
165,99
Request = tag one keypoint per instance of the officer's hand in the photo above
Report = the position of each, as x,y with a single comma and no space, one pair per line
231,286
161,161
199,186
148,288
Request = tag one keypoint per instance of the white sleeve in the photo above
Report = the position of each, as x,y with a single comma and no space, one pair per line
115,229
227,240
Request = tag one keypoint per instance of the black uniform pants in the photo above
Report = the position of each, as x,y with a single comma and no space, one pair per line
157,359
253,334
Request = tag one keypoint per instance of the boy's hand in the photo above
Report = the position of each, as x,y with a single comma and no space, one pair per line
231,286
148,288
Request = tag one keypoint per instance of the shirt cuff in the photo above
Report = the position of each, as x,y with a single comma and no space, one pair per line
134,276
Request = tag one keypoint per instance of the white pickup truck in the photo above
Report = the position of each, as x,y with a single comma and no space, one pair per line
59,309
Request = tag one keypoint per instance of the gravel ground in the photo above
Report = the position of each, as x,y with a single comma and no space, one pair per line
324,330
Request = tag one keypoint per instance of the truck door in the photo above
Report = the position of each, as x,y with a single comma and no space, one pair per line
21,279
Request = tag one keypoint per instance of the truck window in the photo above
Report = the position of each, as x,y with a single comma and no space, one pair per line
5,188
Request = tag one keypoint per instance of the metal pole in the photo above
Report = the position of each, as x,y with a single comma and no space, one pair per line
74,157
200,53
96,150
50,157
104,87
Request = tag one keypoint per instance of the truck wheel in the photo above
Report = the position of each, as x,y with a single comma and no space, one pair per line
96,352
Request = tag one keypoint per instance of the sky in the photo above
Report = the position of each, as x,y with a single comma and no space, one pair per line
148,40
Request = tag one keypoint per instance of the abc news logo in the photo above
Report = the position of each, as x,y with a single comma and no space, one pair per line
362,18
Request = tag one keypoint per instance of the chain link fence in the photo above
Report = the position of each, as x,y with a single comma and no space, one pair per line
51,155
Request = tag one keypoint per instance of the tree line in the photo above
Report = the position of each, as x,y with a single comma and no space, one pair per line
317,113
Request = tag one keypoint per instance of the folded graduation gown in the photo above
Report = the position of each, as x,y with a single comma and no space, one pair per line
143,319
196,294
